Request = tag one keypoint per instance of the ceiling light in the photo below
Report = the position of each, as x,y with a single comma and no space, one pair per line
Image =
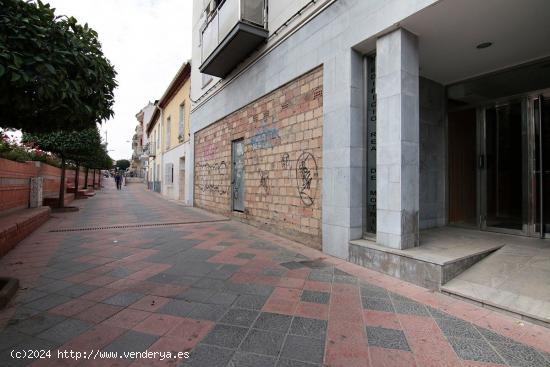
483,45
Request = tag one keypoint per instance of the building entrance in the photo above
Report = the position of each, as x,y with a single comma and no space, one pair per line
499,165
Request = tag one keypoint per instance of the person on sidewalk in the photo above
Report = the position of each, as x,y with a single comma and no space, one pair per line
118,180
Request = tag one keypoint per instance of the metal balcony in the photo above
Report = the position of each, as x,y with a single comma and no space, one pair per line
231,34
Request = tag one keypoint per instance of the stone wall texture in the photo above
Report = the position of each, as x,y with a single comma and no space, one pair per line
282,134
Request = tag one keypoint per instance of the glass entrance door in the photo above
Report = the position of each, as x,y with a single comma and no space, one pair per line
541,164
503,164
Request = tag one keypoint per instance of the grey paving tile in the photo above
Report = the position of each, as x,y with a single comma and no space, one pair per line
519,355
312,328
253,302
131,341
10,337
263,342
458,328
438,314
65,330
273,322
273,272
344,279
47,302
210,283
240,317
341,272
253,289
30,343
223,298
292,363
378,304
54,286
124,298
77,290
410,308
320,276
164,278
241,359
209,356
224,272
245,255
292,265
546,356
38,323
303,349
494,337
387,338
121,272
315,297
196,294
227,336
207,311
474,350
315,264
177,308
372,291
28,295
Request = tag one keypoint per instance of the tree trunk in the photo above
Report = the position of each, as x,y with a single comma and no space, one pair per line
61,203
93,181
86,179
76,179
99,181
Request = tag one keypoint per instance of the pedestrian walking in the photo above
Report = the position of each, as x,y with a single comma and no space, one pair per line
118,180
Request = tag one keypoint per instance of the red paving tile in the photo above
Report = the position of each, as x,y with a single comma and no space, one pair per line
381,357
158,324
98,313
191,332
383,319
127,318
72,307
346,342
150,303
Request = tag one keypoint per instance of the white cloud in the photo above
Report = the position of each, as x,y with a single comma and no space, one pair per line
147,41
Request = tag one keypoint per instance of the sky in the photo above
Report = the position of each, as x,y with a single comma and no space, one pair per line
146,41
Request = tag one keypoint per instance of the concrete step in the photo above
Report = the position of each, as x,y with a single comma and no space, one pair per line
514,279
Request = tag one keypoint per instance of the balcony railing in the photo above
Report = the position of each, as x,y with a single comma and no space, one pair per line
234,30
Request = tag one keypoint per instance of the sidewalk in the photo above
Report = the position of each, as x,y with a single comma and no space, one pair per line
131,272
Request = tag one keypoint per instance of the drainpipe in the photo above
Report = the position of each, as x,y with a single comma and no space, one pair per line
161,132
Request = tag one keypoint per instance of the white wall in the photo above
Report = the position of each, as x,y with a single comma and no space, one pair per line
171,190
279,12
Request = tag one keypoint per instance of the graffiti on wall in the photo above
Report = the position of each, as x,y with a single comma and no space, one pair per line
265,137
207,172
285,161
209,150
306,178
264,181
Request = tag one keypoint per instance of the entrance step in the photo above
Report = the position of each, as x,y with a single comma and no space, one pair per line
514,279
443,254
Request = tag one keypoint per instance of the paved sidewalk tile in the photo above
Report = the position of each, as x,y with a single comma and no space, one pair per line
232,296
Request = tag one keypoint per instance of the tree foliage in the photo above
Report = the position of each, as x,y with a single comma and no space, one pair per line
123,164
72,145
53,74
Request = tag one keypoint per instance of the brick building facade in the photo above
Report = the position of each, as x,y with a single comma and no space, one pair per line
282,136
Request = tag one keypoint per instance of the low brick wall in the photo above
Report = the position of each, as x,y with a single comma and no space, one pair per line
282,135
14,227
15,178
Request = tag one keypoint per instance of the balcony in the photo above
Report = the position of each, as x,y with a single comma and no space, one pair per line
231,34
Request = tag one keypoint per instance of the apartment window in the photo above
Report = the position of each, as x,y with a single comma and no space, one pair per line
168,131
169,173
181,124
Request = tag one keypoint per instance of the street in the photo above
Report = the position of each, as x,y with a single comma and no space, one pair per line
131,272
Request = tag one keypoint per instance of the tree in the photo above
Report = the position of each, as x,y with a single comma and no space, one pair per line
98,160
68,146
53,74
123,164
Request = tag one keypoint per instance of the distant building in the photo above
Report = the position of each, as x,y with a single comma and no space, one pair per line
169,131
140,143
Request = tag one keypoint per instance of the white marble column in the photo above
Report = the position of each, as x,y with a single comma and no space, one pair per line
397,88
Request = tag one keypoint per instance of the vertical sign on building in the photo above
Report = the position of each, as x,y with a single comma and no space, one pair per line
371,144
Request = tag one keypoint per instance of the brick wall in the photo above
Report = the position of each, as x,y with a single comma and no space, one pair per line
282,133
14,181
